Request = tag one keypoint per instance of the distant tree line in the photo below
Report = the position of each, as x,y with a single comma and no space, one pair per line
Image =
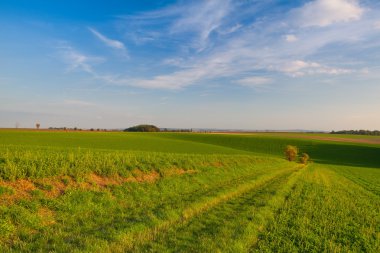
177,130
64,128
142,128
358,132
76,129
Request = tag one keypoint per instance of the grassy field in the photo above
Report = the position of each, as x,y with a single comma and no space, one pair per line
172,192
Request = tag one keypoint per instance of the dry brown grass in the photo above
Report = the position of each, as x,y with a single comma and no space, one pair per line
53,187
47,216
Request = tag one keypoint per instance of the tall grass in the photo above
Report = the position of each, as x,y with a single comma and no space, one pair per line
22,162
117,217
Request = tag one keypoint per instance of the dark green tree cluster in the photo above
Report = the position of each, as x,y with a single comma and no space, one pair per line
358,132
142,128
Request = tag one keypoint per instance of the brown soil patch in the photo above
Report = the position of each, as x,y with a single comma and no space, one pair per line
145,177
177,171
105,181
20,190
217,164
53,187
46,215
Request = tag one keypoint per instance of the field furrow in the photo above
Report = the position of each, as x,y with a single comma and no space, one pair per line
368,178
228,219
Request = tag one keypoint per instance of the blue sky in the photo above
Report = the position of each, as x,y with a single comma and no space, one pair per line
235,64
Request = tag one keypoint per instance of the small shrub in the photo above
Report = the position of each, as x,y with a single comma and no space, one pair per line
291,153
304,158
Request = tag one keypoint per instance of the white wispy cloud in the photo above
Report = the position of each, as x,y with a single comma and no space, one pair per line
198,18
291,38
326,12
254,81
256,47
77,60
203,18
275,46
115,44
176,80
301,68
231,29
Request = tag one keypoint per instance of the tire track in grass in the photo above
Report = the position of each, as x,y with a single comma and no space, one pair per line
133,240
267,214
222,217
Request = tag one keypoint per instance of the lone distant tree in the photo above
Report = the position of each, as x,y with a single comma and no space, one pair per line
304,158
143,128
38,125
291,153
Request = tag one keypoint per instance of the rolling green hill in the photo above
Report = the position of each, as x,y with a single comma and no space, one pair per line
186,192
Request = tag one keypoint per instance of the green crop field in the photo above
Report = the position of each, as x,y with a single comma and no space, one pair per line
187,192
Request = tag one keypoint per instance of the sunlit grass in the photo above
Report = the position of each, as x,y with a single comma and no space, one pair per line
166,192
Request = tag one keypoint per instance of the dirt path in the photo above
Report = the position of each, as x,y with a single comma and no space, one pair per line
323,138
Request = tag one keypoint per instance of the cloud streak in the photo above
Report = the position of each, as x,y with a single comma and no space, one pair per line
278,45
288,43
115,44
326,12
254,81
301,68
290,38
203,18
77,61
198,21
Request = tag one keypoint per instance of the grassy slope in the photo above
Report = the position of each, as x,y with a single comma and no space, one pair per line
325,152
365,155
117,216
250,197
109,141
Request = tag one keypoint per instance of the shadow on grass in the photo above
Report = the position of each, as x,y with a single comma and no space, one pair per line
344,154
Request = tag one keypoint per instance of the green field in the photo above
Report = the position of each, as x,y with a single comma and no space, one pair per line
186,192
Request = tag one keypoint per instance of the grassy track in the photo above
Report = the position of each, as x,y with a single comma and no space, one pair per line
166,192
228,220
